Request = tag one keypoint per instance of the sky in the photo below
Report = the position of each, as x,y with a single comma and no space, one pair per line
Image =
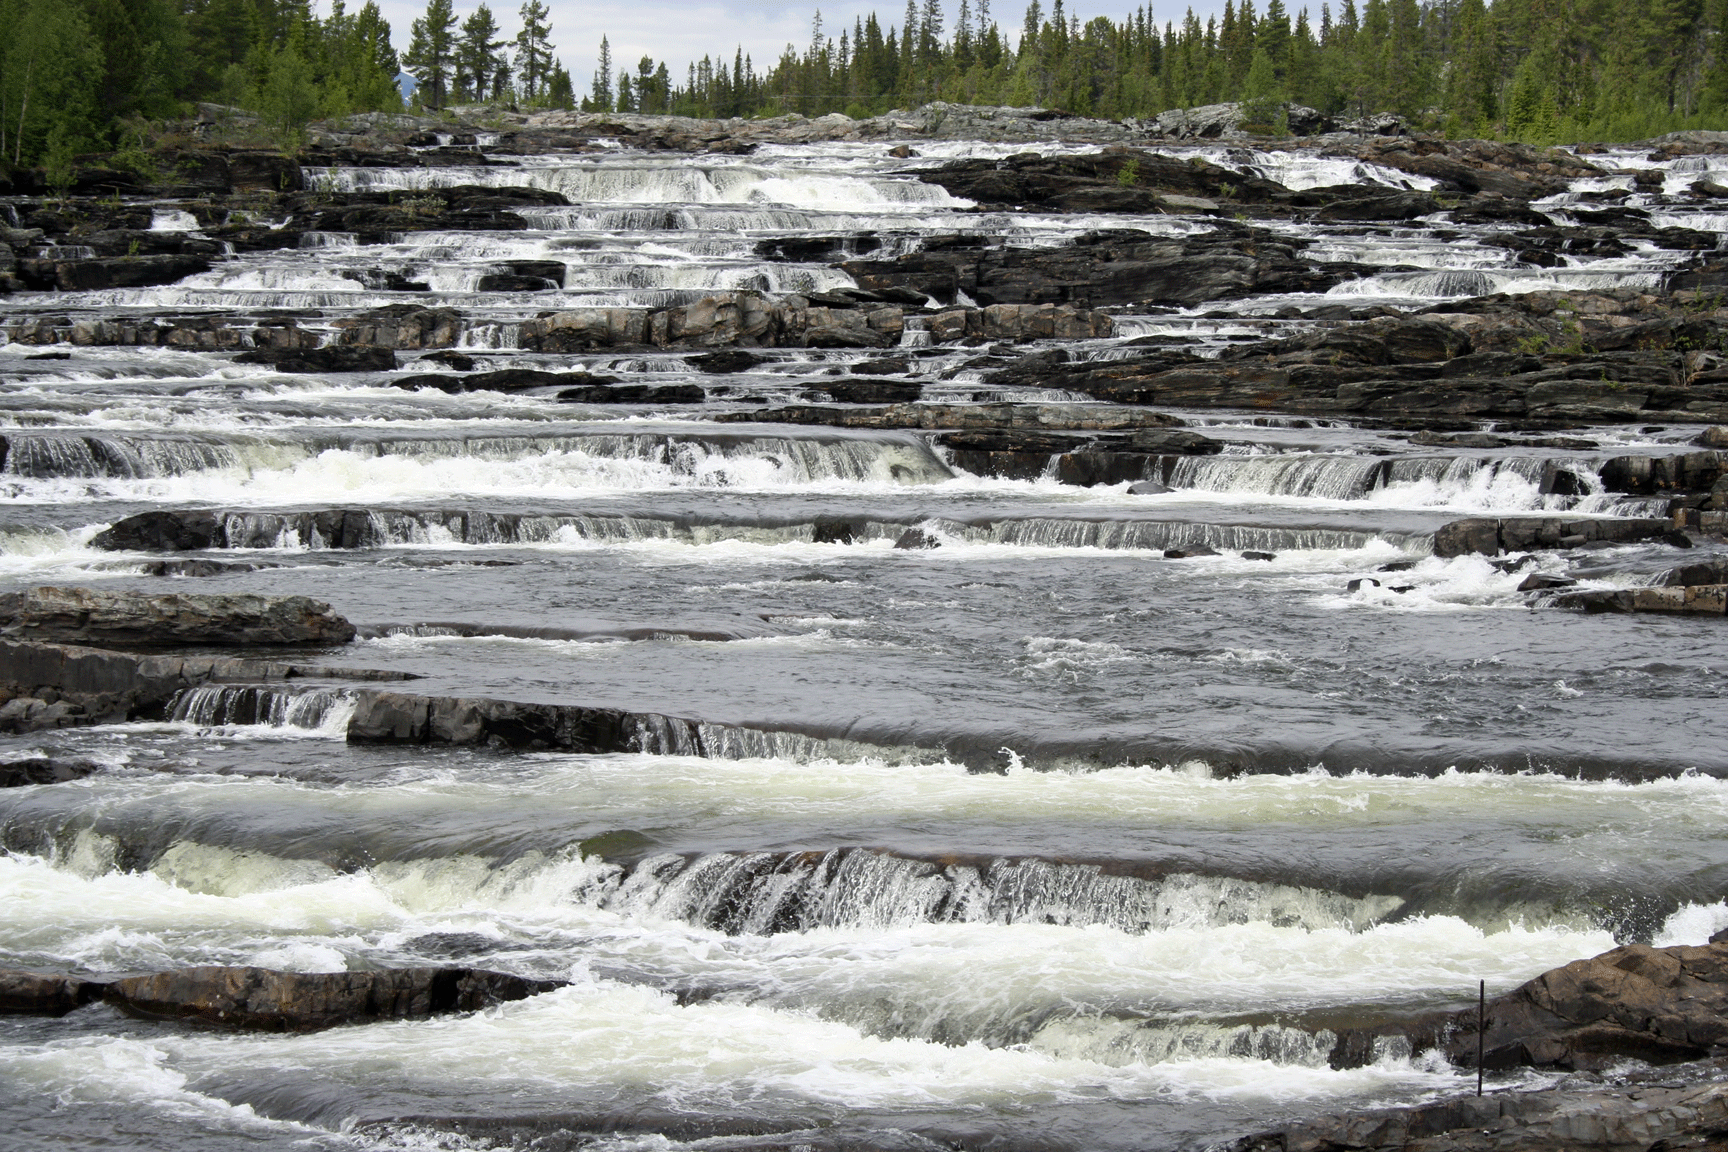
680,32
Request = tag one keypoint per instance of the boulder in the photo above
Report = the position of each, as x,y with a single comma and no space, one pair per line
87,616
44,770
184,531
916,539
455,361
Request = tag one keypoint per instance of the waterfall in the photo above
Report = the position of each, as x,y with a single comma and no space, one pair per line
765,892
323,711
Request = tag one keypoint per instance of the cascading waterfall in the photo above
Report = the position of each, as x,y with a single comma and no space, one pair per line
685,183
324,711
645,459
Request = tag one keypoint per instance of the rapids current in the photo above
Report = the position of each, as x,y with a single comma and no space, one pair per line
1036,838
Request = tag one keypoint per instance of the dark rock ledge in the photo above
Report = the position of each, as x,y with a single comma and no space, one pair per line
1663,1006
1662,1111
263,1000
63,685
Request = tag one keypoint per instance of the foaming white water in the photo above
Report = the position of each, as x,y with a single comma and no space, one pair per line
676,182
1299,171
206,905
721,799
250,470
1446,283
1693,924
601,1042
313,712
86,1071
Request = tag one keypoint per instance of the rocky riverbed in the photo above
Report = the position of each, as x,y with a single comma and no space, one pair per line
972,628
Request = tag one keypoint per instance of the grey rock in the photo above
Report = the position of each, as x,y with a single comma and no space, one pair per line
87,616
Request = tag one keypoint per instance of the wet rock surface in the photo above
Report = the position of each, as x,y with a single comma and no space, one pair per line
51,686
1173,467
86,616
1685,1107
263,1000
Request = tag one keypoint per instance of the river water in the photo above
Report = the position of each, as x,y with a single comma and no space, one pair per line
1036,839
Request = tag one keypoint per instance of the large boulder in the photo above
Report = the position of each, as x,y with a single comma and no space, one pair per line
89,616
183,531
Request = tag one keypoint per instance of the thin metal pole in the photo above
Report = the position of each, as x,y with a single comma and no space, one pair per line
1481,1028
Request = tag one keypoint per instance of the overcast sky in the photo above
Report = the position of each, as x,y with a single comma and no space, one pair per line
681,31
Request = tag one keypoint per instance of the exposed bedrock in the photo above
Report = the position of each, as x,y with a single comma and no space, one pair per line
263,1000
1126,179
748,319
1120,266
135,619
1664,1111
1660,1005
1541,360
352,358
1033,417
48,686
1085,460
1488,536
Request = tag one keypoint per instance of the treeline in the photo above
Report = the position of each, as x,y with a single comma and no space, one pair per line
77,75
87,75
84,75
1543,71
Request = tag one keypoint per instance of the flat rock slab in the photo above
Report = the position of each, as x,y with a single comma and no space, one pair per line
264,1000
65,685
1488,536
136,619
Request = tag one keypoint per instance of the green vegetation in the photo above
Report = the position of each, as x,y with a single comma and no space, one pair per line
85,75
1540,71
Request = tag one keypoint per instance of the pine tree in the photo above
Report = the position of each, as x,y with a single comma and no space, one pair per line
480,60
430,52
534,53
559,91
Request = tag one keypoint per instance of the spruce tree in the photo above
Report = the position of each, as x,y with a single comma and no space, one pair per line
601,100
430,55
479,56
534,52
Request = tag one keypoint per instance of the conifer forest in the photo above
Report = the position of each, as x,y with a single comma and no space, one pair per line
90,75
